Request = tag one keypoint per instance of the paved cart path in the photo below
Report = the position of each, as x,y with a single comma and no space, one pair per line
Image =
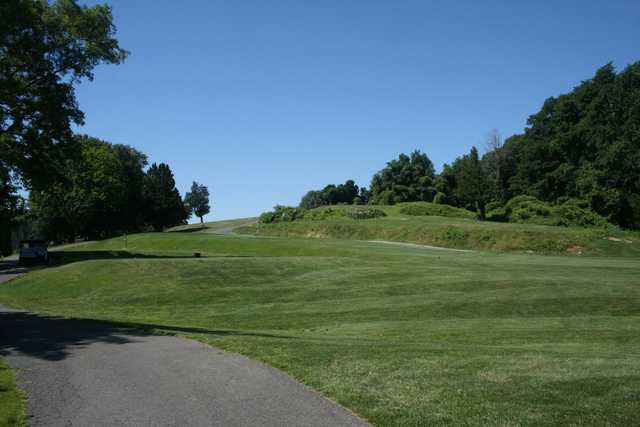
84,373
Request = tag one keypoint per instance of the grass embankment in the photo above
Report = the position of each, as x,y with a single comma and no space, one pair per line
460,232
11,399
403,336
212,225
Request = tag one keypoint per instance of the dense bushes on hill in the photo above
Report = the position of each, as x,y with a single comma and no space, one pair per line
288,213
581,145
342,194
426,209
529,210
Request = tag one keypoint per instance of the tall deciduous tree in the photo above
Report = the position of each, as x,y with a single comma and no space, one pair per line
472,185
406,179
197,200
45,49
163,205
92,198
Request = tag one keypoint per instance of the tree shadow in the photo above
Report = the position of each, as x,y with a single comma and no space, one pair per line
53,338
188,230
58,258
68,257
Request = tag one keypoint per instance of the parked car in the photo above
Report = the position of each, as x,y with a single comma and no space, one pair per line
33,252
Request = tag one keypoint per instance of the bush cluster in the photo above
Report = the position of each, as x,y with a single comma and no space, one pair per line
529,210
288,214
426,209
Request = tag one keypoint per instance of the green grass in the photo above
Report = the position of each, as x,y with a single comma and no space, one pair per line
212,225
11,399
462,233
400,335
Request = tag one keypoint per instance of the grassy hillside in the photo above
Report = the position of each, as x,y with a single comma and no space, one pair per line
461,232
401,335
11,399
212,225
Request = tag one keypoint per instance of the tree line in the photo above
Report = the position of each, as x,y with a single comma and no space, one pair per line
78,186
581,148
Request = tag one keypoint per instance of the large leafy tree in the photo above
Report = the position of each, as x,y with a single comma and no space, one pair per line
586,145
163,206
472,183
45,49
405,179
197,200
96,194
332,194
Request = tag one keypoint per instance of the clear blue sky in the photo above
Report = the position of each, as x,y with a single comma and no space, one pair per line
264,100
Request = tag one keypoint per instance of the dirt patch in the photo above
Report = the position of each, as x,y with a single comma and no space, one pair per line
575,249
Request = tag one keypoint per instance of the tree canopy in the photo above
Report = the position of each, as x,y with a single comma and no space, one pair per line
162,204
197,201
347,193
405,179
580,152
45,49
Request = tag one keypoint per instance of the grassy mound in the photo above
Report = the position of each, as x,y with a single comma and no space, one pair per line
426,209
212,225
462,233
402,336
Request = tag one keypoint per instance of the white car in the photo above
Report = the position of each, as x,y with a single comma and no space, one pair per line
33,251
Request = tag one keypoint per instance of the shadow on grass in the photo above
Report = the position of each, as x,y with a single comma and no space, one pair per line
53,338
188,230
58,258
67,257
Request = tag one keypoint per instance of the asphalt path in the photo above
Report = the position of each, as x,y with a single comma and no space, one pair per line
85,373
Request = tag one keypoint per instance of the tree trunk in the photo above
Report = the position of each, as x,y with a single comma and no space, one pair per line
201,220
482,213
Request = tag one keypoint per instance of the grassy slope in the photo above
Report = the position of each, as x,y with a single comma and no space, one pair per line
462,233
212,225
403,336
11,399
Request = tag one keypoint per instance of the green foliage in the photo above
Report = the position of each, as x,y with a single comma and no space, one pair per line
281,214
440,198
406,179
288,214
346,193
46,48
529,210
586,145
197,201
162,203
99,195
425,209
472,182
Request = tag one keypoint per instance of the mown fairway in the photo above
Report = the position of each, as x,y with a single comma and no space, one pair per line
402,336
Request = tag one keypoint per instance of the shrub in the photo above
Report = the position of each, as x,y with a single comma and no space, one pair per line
364,213
529,210
353,212
576,213
440,198
427,209
282,214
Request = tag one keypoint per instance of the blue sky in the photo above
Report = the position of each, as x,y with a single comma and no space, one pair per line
264,100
